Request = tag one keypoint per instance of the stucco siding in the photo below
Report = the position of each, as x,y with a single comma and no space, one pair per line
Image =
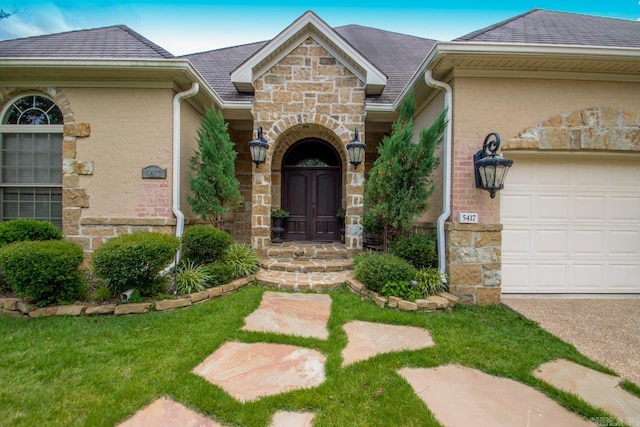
130,129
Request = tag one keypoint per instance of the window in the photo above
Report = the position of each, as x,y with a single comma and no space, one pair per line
31,160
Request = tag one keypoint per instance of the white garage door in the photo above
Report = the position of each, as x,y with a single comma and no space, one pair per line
571,224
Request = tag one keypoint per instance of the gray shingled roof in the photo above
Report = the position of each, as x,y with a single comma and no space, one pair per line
547,27
398,56
118,41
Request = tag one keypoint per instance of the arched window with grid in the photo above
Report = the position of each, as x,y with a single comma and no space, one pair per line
31,160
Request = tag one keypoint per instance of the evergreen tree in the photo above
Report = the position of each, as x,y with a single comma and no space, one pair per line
400,183
212,175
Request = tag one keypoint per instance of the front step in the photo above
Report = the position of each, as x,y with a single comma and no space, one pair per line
297,281
315,265
296,250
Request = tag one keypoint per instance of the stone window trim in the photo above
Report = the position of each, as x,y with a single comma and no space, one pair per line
74,197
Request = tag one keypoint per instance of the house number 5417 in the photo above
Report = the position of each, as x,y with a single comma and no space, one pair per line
468,218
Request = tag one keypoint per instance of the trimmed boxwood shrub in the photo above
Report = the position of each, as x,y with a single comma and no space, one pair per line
375,270
133,261
45,272
19,230
204,244
419,249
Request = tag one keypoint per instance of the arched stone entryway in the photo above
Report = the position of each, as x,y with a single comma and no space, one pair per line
312,191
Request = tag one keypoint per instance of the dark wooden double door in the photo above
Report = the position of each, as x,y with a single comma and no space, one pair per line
312,197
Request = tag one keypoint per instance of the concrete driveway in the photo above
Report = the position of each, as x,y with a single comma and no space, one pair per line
604,329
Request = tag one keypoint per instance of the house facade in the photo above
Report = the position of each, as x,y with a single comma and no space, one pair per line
120,114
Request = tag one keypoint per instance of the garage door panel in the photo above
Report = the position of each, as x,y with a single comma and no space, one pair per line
518,275
587,277
624,277
588,242
625,209
551,277
517,241
519,207
588,208
552,208
625,243
551,242
571,224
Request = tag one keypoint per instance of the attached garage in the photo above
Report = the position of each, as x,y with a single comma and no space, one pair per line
571,223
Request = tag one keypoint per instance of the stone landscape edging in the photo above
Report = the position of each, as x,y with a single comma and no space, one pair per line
17,307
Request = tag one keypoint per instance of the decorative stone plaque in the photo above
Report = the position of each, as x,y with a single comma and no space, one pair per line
154,172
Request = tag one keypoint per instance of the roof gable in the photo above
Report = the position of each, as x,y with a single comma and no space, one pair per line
308,25
548,27
118,41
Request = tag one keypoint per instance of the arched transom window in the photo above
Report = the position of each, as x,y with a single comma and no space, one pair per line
31,160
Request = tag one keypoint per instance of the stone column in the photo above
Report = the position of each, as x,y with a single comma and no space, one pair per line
474,261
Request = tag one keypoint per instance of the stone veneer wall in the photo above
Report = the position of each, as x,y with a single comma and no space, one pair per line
599,128
474,261
307,94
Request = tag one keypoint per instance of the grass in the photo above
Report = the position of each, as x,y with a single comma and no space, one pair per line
99,371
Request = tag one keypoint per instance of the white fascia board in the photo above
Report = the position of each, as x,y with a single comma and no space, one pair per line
441,49
309,24
128,64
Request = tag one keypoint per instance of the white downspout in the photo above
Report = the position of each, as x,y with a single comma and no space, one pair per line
446,196
176,158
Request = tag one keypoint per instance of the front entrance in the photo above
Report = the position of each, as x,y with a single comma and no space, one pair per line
312,191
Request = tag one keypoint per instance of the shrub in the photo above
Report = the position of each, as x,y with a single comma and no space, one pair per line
204,244
219,273
375,270
20,230
419,249
402,290
429,282
133,261
102,293
241,260
191,277
46,272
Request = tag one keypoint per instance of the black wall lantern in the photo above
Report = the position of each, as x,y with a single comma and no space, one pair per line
356,150
258,148
491,168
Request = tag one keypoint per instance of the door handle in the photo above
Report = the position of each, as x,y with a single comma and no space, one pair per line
313,209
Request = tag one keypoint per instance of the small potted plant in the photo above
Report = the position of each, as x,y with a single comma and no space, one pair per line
278,216
340,215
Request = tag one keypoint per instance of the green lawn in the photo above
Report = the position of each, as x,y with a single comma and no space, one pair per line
100,370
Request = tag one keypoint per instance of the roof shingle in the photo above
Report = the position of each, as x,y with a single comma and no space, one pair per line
118,41
547,27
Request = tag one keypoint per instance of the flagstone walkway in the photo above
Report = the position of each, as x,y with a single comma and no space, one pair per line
455,394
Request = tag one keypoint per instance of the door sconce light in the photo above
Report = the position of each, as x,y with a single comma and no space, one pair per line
356,150
258,148
491,168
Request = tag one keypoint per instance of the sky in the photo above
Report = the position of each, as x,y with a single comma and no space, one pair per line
190,26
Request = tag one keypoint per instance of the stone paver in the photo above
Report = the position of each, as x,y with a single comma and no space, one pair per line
600,390
460,396
165,412
292,419
366,339
251,371
304,315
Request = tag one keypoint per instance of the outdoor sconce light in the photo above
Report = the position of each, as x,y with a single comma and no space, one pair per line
258,148
491,168
356,150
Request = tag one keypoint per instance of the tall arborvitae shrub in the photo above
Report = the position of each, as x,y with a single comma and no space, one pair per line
400,182
215,189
